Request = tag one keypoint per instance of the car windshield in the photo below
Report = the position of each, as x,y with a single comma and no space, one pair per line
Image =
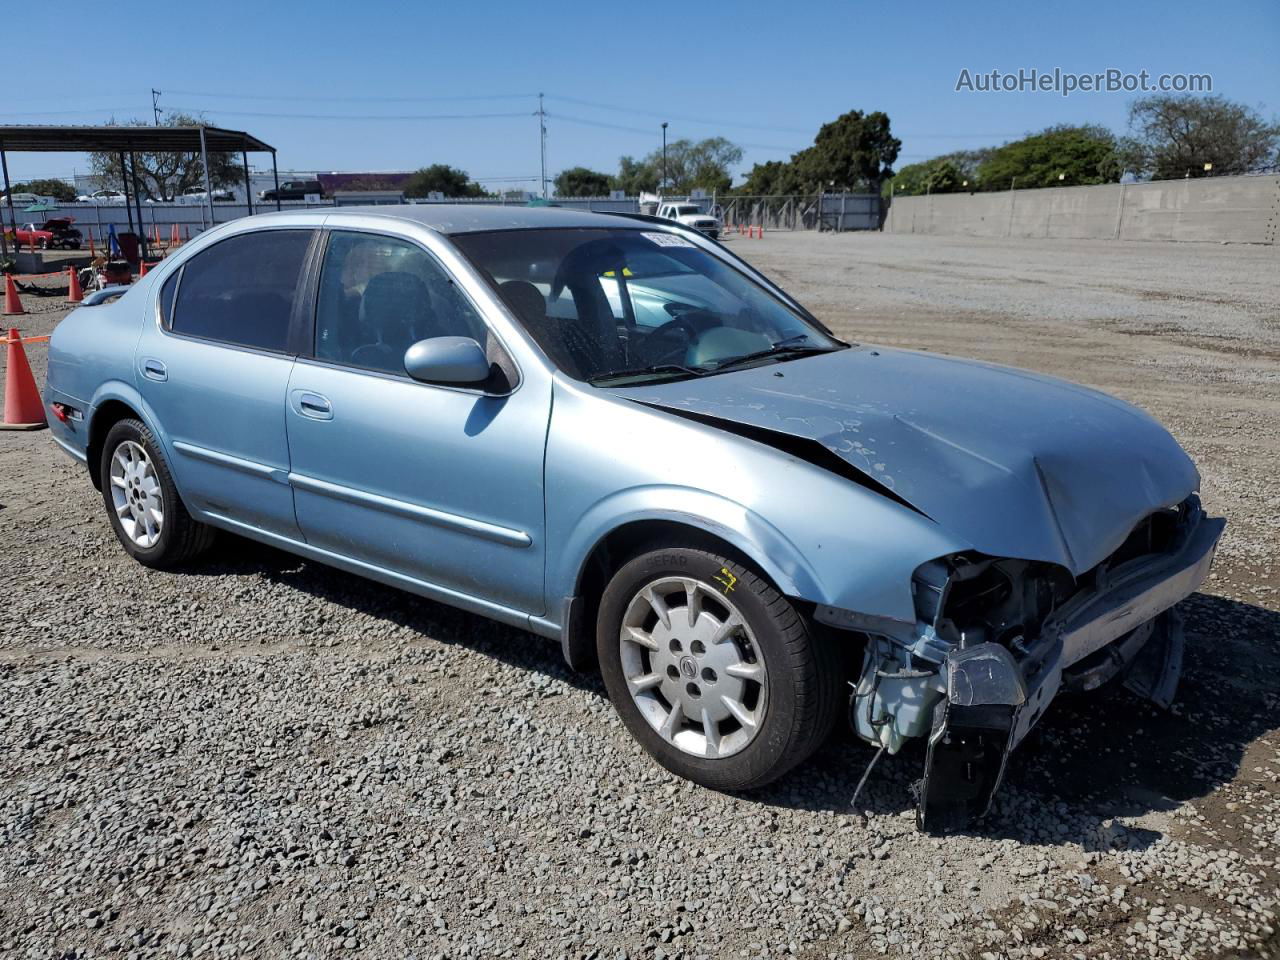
621,306
686,210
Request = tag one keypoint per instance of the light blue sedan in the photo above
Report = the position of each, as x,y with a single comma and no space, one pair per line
611,431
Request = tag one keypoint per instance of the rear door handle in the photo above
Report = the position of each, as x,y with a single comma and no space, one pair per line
312,405
153,369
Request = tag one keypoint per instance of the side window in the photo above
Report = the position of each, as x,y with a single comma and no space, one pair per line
166,298
380,295
241,290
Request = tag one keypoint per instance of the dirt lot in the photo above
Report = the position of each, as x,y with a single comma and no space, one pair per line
264,757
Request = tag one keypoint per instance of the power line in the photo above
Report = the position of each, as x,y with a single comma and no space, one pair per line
674,116
645,131
64,113
356,116
313,99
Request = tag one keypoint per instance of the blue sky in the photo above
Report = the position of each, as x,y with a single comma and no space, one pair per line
765,75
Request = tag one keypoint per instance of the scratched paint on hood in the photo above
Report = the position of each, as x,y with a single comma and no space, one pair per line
1018,464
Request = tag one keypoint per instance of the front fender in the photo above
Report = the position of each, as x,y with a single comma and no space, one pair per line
819,536
717,515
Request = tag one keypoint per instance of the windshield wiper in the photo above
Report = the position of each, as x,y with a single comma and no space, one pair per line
655,368
786,347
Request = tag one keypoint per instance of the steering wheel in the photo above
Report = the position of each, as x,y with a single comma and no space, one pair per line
684,325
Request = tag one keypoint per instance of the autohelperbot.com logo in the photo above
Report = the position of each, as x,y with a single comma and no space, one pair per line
1065,82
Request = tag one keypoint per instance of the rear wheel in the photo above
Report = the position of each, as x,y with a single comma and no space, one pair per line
148,517
712,670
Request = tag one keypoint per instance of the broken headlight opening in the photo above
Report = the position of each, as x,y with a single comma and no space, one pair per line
995,639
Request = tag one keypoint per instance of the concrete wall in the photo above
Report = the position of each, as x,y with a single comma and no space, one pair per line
194,217
1236,209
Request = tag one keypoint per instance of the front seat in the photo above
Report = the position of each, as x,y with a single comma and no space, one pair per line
394,310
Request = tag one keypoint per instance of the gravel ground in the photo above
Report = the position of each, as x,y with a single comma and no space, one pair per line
265,757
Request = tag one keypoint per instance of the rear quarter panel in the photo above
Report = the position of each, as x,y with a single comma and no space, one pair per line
91,355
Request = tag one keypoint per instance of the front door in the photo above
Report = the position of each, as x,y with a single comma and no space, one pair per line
215,372
439,484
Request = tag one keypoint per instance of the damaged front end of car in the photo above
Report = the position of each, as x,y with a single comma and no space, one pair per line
996,639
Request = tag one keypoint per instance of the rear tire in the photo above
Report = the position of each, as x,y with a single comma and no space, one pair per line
730,714
143,506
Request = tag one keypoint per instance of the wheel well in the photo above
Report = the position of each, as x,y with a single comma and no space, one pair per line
105,417
610,554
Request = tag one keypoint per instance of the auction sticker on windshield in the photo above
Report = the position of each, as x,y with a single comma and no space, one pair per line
668,240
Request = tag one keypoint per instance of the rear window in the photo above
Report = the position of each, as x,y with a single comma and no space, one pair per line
241,290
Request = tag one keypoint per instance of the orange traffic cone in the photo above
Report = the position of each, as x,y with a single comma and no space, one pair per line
142,269
155,233
22,407
12,305
173,236
74,293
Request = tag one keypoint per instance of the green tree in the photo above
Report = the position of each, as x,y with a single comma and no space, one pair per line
939,175
636,176
1057,156
690,165
163,176
442,178
855,151
581,182
1173,135
772,179
60,190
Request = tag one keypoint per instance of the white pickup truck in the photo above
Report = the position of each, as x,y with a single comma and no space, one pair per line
689,215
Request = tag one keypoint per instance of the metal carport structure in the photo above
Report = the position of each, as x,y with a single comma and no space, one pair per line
128,141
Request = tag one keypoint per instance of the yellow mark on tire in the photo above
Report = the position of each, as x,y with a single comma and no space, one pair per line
728,583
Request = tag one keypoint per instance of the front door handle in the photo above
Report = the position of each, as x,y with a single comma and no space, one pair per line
312,405
154,369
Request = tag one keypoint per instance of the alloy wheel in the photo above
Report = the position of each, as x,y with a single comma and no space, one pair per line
136,494
693,668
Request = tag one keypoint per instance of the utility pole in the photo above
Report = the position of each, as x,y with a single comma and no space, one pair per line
663,186
542,130
155,104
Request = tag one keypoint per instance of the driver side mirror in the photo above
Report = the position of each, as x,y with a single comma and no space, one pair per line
451,360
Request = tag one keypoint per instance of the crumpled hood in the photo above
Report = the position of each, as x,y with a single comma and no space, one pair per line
1018,464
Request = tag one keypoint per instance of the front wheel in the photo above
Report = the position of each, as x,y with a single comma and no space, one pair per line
712,670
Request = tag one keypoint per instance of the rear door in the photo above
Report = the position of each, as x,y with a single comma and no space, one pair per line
214,369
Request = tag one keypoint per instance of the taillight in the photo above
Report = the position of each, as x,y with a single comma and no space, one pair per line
65,413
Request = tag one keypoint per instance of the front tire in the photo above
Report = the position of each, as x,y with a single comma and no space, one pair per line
143,506
712,670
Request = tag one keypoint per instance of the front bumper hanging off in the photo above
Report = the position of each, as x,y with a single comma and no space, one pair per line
993,700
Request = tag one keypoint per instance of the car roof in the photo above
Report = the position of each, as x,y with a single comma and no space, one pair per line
453,218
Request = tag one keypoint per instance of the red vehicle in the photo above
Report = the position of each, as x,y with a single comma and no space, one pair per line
56,232
27,234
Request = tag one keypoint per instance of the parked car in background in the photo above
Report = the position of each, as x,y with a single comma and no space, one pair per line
21,200
199,194
690,215
293,190
64,236
102,197
611,431
30,235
